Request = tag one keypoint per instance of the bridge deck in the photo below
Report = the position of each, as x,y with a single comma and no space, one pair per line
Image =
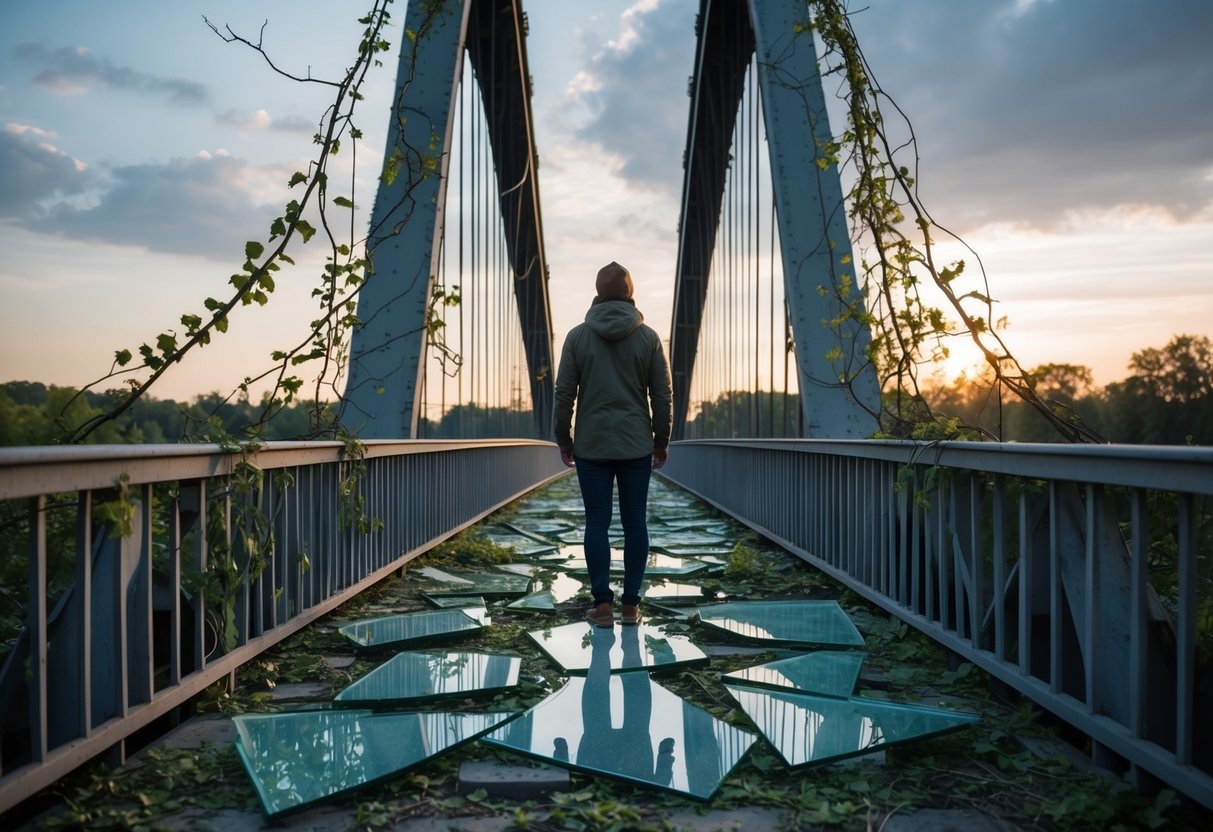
1005,765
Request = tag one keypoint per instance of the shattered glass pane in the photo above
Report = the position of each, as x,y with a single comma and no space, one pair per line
824,672
640,647
481,583
657,564
563,587
413,626
629,727
454,601
431,675
809,623
542,601
298,759
807,729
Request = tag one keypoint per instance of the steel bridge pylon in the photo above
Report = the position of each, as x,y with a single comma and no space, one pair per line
388,347
838,388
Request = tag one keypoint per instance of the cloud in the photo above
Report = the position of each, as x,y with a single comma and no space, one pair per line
73,71
261,120
207,205
33,170
632,88
1034,112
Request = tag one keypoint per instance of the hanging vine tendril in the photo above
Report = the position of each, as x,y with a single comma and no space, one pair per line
899,269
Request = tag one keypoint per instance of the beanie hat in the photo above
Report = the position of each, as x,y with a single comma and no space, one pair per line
613,282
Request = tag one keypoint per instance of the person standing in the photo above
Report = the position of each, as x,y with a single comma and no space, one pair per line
613,372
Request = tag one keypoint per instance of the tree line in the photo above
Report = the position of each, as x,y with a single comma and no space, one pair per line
32,413
1166,400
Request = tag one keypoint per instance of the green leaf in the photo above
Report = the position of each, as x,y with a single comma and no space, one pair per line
221,324
122,357
305,229
298,177
253,249
343,202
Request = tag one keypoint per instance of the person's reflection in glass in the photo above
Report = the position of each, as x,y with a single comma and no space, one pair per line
628,750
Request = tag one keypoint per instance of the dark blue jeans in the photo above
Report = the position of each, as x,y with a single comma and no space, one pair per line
597,478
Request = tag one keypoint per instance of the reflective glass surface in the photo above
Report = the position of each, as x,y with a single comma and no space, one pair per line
658,564
433,575
480,583
629,727
526,569
413,626
807,729
638,647
810,623
542,601
825,672
297,759
454,601
429,676
521,544
563,587
669,591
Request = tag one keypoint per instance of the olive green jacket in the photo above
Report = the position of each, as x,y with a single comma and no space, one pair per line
614,371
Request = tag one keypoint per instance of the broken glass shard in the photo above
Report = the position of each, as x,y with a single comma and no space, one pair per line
807,730
807,623
409,627
298,759
825,672
577,647
628,727
481,583
454,601
540,601
409,676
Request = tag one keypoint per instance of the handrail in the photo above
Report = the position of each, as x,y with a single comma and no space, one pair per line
152,618
1010,555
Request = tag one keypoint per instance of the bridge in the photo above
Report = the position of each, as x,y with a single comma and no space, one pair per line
1033,562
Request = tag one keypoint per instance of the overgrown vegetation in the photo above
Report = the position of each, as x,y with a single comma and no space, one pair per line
1011,765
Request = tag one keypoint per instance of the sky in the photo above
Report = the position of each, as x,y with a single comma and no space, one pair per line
1069,142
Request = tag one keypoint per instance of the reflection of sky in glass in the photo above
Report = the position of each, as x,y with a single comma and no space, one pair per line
817,623
638,647
808,729
429,675
297,759
563,587
827,672
414,626
627,726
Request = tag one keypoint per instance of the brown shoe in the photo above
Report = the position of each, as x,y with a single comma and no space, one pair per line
629,614
601,614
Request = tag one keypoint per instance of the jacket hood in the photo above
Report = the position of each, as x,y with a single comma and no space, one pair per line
614,319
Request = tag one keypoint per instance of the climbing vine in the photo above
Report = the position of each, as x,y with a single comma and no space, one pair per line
323,347
900,273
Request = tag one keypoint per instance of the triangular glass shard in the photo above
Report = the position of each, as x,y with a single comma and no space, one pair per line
629,727
413,676
583,646
539,601
824,672
409,627
807,623
298,759
454,601
482,583
807,730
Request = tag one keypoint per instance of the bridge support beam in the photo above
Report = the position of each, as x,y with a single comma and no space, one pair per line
838,389
405,240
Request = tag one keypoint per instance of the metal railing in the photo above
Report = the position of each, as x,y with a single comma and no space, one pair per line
172,565
1079,575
